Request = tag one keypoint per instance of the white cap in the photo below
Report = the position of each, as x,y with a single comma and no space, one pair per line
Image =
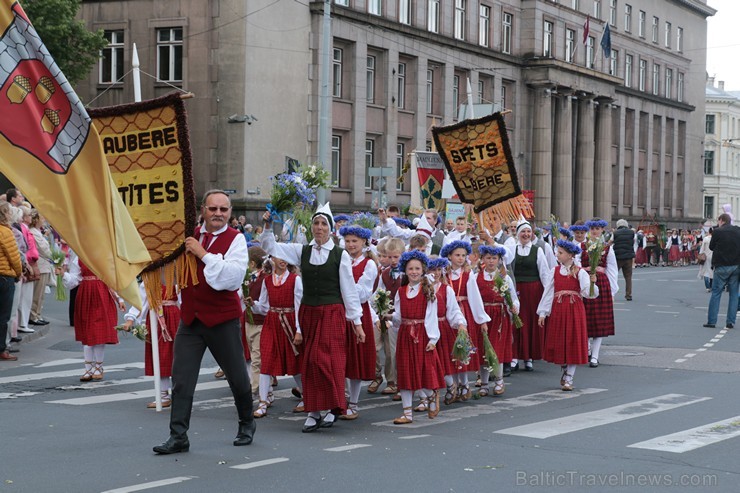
522,224
424,228
325,211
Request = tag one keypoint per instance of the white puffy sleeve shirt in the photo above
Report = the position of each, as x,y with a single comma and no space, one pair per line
430,317
390,228
474,300
366,283
226,272
453,313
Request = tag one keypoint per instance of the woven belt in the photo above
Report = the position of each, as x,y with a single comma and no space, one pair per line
170,303
441,319
559,295
461,298
493,304
413,323
89,278
285,324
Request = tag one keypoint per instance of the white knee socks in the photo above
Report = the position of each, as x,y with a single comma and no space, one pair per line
265,386
596,346
354,390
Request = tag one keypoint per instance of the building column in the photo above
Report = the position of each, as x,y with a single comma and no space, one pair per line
603,162
359,121
391,122
584,197
542,152
635,211
562,169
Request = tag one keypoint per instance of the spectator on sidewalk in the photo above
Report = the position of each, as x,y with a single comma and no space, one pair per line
725,246
624,240
45,265
10,270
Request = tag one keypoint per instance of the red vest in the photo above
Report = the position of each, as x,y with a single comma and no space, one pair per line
391,284
202,301
255,290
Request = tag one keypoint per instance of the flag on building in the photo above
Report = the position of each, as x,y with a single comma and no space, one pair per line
586,29
606,41
49,150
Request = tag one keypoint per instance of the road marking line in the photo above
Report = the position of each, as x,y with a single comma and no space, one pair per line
125,381
346,448
622,310
688,440
16,395
714,340
723,331
28,377
680,360
709,344
128,396
702,349
413,437
152,484
671,313
660,306
61,362
583,421
260,463
690,355
447,416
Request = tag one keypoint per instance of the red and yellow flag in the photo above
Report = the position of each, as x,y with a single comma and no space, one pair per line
50,150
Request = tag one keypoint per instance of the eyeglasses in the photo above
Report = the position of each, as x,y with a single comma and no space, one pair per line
216,209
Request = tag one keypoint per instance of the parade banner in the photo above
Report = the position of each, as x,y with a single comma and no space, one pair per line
478,158
426,183
148,150
49,150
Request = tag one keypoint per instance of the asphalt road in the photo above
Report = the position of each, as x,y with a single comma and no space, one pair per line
661,412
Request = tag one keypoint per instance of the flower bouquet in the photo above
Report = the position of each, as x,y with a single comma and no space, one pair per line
489,354
58,257
383,305
288,189
248,278
138,330
502,286
315,176
462,348
365,220
595,249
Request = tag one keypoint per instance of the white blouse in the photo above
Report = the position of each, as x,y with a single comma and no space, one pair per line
474,300
139,316
453,314
611,269
430,317
262,306
366,283
584,281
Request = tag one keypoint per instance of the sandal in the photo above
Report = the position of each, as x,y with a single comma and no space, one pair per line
434,405
567,383
261,410
97,373
87,376
498,386
270,399
483,391
391,388
405,419
464,393
373,387
451,394
300,408
351,413
166,401
423,405
219,374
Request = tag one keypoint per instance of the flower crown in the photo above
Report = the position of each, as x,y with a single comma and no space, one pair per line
489,250
597,224
439,263
403,222
406,257
341,217
357,231
451,247
566,232
569,247
579,227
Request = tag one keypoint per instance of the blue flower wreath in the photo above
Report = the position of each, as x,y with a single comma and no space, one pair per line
451,247
412,255
357,231
566,232
489,250
439,263
597,224
569,247
341,217
579,227
403,222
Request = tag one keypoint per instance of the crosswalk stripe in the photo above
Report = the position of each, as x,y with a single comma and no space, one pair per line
493,406
128,396
151,484
29,377
346,448
582,421
688,440
260,463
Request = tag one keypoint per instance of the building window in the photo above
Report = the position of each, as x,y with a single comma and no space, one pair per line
709,125
169,54
484,25
641,75
590,52
614,62
336,64
111,60
679,88
570,44
656,22
369,161
628,70
597,9
668,83
507,21
375,7
503,96
708,207
641,24
628,18
404,12
481,91
336,159
344,3
401,85
547,40
455,93
679,39
708,162
575,4
459,19
400,156
656,79
668,34
613,13
370,75
430,89
433,16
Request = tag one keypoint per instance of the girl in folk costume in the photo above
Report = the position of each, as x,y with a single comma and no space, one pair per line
531,273
280,338
449,319
600,310
674,248
329,301
168,315
360,355
468,297
95,316
687,244
641,259
500,328
566,342
415,321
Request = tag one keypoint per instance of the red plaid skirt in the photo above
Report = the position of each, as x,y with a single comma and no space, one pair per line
528,340
417,368
566,336
96,314
276,353
444,346
641,256
500,333
361,356
600,311
324,356
171,315
674,254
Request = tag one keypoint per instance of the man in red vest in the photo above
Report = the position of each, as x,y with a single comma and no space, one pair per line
210,315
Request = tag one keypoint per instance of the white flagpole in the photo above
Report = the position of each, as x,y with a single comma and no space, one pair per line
137,75
470,100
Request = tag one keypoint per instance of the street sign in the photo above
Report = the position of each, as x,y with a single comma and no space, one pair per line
380,171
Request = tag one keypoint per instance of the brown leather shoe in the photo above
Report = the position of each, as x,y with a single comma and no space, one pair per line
6,356
390,389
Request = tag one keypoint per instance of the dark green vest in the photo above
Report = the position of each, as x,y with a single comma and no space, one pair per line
525,269
321,282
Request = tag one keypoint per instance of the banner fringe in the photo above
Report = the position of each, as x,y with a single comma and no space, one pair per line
509,210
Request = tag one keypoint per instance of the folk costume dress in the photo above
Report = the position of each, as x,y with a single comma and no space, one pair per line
96,314
566,340
600,310
415,320
361,356
449,315
500,328
466,291
329,301
674,248
531,272
640,252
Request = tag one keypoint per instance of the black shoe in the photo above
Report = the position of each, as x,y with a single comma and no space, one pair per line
296,392
514,367
173,446
628,298
245,434
327,424
313,427
593,363
729,326
507,369
41,321
528,366
15,339
708,326
34,322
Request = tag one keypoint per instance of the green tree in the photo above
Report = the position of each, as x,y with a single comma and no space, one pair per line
74,48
